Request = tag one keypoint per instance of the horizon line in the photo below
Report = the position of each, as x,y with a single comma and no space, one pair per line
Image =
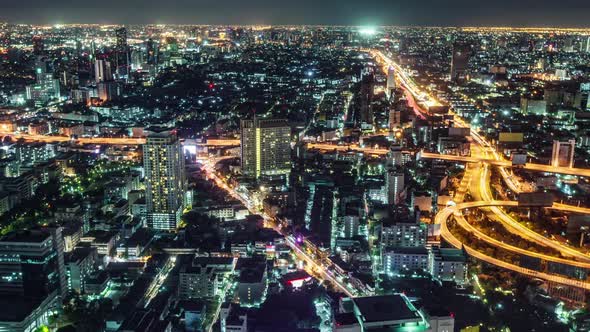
490,27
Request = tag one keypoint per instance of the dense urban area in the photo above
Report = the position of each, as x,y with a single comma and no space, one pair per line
294,178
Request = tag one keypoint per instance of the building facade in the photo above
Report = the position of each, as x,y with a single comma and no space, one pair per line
163,163
265,147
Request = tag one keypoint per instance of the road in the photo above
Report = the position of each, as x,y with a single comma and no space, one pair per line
328,274
346,148
421,97
476,181
455,211
505,163
109,140
158,282
481,191
449,237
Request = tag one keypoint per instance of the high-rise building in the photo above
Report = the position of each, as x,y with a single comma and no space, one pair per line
201,277
38,45
448,264
32,263
390,87
400,259
395,186
102,71
403,234
163,163
563,153
265,147
46,87
107,90
151,52
366,98
395,118
122,50
121,36
460,62
323,215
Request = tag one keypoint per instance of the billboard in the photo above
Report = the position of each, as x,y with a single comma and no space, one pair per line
511,137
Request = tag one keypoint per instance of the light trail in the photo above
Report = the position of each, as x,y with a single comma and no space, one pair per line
449,237
158,281
110,140
427,100
505,163
332,276
462,222
346,148
517,228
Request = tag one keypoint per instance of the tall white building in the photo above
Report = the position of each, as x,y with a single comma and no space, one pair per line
265,147
163,162
390,81
404,234
102,71
399,259
448,264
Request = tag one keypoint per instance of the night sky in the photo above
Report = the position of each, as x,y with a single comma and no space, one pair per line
562,13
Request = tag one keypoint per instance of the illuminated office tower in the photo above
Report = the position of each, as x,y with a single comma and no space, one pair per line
390,81
163,163
563,153
460,62
102,71
32,263
265,147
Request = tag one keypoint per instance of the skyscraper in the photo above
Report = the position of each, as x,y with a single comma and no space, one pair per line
102,70
38,45
460,62
366,98
152,52
121,36
265,147
395,187
32,263
163,163
122,50
390,88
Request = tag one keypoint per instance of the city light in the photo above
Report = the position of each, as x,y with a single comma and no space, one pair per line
202,177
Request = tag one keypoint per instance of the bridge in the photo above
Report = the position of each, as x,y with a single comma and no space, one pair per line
444,215
505,163
213,142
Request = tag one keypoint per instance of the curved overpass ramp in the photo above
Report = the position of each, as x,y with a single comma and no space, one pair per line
443,216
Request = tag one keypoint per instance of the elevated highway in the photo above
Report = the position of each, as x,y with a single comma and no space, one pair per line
215,142
443,216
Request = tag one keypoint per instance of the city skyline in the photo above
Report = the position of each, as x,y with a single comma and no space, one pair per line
544,13
273,178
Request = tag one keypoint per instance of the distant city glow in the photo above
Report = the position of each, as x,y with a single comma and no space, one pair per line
368,31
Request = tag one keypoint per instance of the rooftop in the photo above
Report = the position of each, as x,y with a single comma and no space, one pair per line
384,308
37,235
